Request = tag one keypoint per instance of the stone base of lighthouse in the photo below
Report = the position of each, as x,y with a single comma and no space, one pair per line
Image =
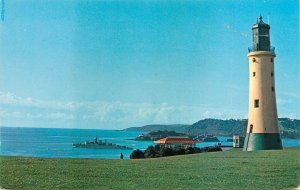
262,141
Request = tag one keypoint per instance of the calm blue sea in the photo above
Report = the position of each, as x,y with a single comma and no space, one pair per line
58,143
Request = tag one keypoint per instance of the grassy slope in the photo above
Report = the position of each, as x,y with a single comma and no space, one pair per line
220,170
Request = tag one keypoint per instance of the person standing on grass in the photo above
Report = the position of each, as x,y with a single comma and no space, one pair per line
122,156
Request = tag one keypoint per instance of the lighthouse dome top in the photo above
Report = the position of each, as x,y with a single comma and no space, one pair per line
261,24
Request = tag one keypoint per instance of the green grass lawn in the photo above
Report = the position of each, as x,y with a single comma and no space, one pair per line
233,169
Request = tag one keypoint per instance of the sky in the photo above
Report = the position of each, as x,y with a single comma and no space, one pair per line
118,64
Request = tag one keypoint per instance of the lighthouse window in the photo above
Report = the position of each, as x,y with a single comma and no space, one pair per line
272,74
253,59
256,103
253,74
272,60
273,88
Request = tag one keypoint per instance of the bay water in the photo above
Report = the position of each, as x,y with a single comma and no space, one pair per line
58,143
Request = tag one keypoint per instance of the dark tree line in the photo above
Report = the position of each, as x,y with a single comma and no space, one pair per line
158,151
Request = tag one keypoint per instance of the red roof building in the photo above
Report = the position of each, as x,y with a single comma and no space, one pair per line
172,142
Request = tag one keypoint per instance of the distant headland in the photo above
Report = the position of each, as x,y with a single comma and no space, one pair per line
290,128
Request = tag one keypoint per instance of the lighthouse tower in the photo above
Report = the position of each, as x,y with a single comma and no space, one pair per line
262,128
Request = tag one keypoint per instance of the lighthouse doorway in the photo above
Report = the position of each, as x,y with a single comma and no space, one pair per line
251,128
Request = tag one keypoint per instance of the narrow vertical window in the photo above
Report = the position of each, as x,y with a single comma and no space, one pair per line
256,103
272,60
272,74
273,88
251,128
253,74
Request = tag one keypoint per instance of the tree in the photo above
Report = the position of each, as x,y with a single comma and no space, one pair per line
166,152
150,152
136,154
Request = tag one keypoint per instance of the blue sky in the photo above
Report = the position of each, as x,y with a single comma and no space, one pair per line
117,64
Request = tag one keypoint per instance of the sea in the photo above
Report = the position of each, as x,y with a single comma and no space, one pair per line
58,143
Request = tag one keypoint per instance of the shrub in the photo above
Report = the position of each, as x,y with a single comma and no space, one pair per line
179,151
166,152
214,149
157,148
136,154
211,149
197,150
190,150
158,151
150,152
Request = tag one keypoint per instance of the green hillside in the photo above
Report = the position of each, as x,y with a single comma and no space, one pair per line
232,169
180,128
219,127
290,127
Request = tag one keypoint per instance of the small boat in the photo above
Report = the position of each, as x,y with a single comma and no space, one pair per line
99,144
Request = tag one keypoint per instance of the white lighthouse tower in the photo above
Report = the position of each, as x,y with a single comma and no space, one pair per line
262,128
